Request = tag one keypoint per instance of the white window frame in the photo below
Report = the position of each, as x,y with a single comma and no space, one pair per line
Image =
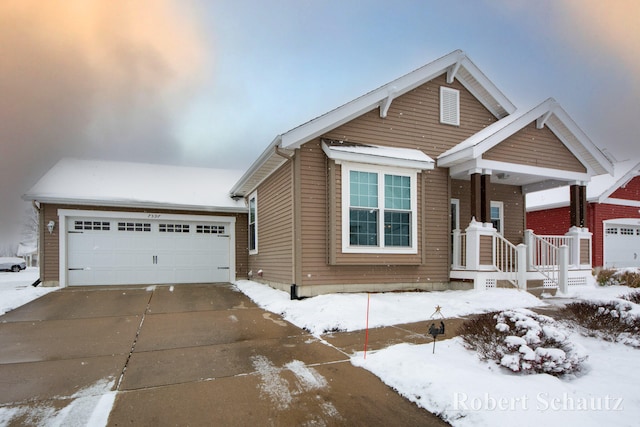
253,196
381,171
456,202
499,205
445,95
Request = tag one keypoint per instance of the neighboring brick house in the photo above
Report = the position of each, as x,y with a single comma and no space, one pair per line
613,215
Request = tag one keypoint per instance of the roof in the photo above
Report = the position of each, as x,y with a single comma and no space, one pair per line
378,155
598,189
549,113
456,65
109,183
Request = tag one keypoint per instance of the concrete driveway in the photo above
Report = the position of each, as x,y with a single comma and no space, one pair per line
181,355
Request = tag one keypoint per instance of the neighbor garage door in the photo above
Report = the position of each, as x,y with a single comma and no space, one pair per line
621,244
117,251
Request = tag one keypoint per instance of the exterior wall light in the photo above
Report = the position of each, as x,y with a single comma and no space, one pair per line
51,226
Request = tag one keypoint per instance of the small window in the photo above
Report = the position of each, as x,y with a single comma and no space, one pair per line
173,228
611,230
134,226
497,216
209,229
92,225
253,224
449,106
627,231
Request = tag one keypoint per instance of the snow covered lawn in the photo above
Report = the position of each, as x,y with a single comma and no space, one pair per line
454,382
16,289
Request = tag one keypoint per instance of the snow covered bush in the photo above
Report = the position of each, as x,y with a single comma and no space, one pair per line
611,321
634,297
607,277
523,342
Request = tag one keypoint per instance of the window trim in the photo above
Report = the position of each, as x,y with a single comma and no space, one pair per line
345,197
254,250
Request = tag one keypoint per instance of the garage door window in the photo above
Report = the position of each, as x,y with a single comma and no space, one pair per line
627,231
210,229
611,230
174,228
92,225
134,226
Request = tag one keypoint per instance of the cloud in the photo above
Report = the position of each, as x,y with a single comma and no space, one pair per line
94,78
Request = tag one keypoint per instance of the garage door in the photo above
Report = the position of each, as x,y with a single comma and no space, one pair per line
116,251
621,245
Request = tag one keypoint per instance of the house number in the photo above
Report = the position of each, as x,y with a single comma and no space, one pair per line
154,216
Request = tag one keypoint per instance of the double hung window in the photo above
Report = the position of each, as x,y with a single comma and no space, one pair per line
379,210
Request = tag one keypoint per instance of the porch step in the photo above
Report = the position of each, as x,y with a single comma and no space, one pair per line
535,288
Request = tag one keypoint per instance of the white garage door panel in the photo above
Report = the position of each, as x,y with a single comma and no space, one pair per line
621,246
158,252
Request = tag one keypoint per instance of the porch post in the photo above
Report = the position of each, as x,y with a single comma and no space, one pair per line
578,205
476,196
485,197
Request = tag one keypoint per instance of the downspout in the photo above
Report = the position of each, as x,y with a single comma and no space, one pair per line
36,207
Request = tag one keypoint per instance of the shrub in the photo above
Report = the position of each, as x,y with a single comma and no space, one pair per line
607,277
523,342
611,321
629,278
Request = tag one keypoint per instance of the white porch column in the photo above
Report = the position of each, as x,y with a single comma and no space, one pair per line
521,274
563,269
580,248
455,262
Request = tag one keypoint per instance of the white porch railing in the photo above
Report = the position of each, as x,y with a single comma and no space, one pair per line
546,258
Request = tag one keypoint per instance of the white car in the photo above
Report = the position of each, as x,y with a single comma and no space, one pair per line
12,264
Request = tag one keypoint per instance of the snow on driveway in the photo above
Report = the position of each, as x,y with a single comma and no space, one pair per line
16,289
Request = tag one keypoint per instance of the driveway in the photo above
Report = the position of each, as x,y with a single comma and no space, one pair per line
180,355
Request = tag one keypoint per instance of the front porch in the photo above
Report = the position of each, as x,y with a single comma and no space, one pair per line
484,256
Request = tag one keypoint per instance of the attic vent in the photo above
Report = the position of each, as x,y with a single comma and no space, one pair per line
449,106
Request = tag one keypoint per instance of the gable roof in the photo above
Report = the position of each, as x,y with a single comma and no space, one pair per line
548,113
107,183
456,65
598,189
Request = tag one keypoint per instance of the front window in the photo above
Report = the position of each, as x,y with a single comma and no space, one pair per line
380,210
253,224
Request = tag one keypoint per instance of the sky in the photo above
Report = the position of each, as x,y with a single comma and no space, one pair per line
211,83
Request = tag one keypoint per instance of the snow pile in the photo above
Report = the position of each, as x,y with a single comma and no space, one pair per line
347,312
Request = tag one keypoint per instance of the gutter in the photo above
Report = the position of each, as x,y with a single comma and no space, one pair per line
266,154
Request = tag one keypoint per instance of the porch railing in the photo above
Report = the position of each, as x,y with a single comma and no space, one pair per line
505,258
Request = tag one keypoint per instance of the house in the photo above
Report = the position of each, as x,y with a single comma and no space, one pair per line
114,223
418,184
613,215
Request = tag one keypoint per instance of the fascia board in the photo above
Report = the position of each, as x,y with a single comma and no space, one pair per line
557,174
484,81
584,140
133,204
632,173
266,154
363,104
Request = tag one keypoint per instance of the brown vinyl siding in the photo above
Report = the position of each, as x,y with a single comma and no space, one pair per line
585,251
535,147
513,202
486,250
50,249
413,121
275,227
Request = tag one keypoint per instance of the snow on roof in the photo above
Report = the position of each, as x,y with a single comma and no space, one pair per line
376,154
98,182
598,189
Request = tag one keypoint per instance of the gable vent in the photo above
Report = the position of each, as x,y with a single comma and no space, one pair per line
449,106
